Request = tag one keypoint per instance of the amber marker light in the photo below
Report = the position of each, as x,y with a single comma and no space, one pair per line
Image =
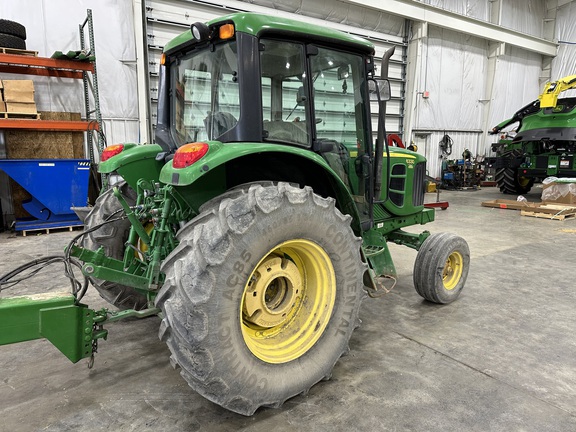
188,154
110,151
226,31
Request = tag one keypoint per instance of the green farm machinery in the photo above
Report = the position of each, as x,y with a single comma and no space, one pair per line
544,141
259,219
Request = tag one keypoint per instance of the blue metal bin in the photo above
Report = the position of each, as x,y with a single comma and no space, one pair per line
56,185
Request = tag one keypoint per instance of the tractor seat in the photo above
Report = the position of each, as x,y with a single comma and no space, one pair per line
286,131
218,123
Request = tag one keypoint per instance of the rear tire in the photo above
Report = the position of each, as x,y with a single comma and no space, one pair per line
112,238
441,267
261,295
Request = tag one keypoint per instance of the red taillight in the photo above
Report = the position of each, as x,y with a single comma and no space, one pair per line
110,151
188,154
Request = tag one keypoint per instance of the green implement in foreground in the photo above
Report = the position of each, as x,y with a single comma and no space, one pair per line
53,316
261,216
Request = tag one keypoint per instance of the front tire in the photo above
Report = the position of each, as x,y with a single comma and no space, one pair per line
441,267
261,295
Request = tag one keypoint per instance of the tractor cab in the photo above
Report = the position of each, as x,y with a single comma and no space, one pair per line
291,88
232,86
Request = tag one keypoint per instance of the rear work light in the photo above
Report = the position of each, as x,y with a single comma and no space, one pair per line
110,151
200,31
188,154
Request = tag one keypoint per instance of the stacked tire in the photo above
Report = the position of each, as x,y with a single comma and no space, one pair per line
12,35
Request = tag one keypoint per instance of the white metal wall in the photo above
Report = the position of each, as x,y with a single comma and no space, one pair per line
165,19
428,143
565,63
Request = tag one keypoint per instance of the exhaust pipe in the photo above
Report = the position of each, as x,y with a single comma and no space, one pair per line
381,137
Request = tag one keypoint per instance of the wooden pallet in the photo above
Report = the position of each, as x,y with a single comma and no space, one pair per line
18,52
18,115
552,212
47,230
509,204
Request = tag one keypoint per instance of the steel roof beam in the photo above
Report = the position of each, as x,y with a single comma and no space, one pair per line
417,11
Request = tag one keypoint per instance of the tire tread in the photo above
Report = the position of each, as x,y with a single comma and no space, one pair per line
111,238
222,216
430,261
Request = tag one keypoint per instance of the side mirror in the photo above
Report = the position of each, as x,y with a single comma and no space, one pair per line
300,96
343,72
379,89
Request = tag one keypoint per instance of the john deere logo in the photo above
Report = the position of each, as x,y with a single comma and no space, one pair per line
558,108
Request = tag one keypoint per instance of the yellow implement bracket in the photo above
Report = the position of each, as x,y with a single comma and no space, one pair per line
549,96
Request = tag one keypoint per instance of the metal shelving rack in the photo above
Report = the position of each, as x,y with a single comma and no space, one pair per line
63,68
88,48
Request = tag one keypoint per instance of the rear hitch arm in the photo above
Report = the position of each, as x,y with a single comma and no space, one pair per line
72,327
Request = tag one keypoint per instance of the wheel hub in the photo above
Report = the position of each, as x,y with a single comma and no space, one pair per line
288,301
272,292
452,270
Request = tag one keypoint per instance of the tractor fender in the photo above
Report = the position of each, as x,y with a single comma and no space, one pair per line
135,162
219,154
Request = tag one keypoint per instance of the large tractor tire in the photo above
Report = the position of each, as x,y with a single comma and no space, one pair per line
112,238
510,180
12,28
261,295
14,42
441,267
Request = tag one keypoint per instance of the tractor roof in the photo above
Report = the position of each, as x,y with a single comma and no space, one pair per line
258,24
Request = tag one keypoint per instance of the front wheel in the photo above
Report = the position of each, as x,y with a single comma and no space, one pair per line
261,295
441,267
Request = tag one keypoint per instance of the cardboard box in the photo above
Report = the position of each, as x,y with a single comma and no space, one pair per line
18,91
20,107
561,191
2,106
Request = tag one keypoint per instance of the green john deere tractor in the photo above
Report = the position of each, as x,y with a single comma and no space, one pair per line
544,143
260,218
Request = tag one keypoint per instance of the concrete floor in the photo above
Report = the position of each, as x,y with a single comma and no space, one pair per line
501,358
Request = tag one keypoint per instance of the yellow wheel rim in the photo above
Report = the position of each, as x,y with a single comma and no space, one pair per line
287,301
140,245
452,270
523,181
